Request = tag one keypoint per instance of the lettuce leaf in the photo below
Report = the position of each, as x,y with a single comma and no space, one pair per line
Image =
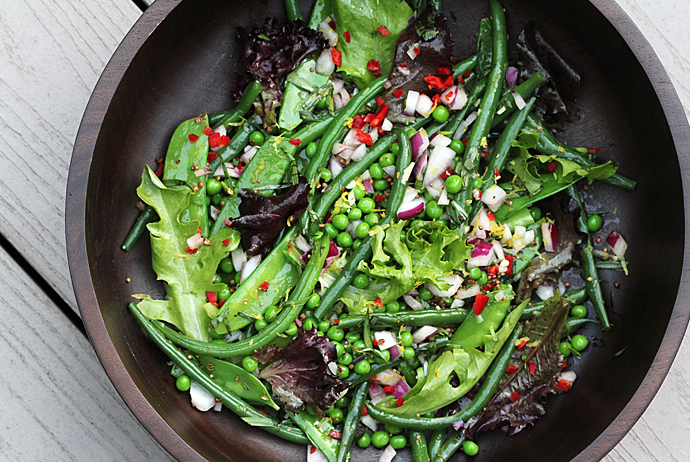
434,391
568,171
362,19
187,276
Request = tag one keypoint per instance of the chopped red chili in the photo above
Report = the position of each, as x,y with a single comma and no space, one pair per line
213,140
388,389
436,83
224,140
208,131
593,150
403,64
480,302
380,115
378,302
375,67
378,198
264,286
532,368
521,345
383,31
336,435
329,216
491,216
295,142
564,385
192,251
376,342
332,24
347,36
461,80
465,141
364,411
514,397
211,156
364,138
398,93
466,74
193,138
211,297
228,223
337,57
511,369
159,170
379,100
447,173
493,269
399,402
313,448
443,71
551,166
497,174
226,242
368,118
511,259
416,51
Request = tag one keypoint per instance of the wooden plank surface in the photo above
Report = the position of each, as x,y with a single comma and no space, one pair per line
51,56
58,404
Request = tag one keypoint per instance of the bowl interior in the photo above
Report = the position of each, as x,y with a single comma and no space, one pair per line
186,67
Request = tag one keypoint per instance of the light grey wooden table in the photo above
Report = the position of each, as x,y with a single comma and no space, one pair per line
57,402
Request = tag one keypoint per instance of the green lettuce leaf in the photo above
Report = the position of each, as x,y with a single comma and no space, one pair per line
434,390
187,276
520,165
362,19
568,171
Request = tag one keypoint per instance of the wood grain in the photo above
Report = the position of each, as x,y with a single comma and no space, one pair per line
58,403
51,56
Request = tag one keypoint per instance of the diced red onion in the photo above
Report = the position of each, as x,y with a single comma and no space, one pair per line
413,303
411,102
315,455
494,197
617,243
368,185
249,154
351,138
439,161
471,291
249,267
455,282
374,133
408,211
411,53
424,105
352,228
457,303
202,171
498,251
448,96
201,398
457,425
338,148
511,76
401,389
218,406
238,258
420,166
413,293
335,167
385,339
328,33
222,130
195,241
454,97
345,96
410,194
387,84
337,101
549,233
423,333
376,393
394,351
404,71
359,153
389,170
545,292
482,254
325,64
419,142
440,140
388,377
338,84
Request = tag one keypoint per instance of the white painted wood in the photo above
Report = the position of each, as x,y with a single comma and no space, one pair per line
57,403
51,55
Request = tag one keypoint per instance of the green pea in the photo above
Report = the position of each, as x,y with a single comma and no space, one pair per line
256,138
454,184
593,223
213,187
336,414
311,149
260,324
578,311
359,345
399,441
360,193
475,273
207,200
392,429
331,230
380,185
384,358
379,439
535,212
249,364
470,448
291,330
579,342
433,210
372,219
226,265
335,333
360,281
357,244
393,307
387,160
477,184
354,214
408,353
380,309
324,325
353,337
217,199
457,146
309,323
376,171
366,204
313,301
326,175
343,372
406,339
345,359
425,294
339,348
564,348
441,114
364,441
344,239
342,402
362,230
271,313
483,279
183,383
224,293
362,367
340,221
322,103
395,148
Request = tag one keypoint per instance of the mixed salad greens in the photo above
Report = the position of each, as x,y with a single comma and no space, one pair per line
371,245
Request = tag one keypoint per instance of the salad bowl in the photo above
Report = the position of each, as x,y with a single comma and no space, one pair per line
179,60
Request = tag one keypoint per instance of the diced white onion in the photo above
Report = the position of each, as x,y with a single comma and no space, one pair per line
238,258
388,454
201,398
325,64
411,102
249,267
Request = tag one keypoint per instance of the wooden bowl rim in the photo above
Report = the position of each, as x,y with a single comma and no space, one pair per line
86,298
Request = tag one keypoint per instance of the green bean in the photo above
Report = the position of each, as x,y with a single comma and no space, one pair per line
148,215
364,252
464,66
436,440
354,414
452,445
298,297
573,324
307,134
335,127
322,8
418,446
484,47
294,12
408,373
235,404
237,144
414,423
251,92
507,105
447,317
549,145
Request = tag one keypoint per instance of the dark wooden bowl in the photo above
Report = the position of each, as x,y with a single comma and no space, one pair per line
179,60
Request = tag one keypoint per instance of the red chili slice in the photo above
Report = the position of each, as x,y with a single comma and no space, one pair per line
336,435
228,223
192,251
226,242
383,31
466,74
193,138
208,131
264,286
213,140
509,271
358,122
521,345
443,71
364,411
465,141
332,24
532,368
514,397
211,297
347,36
378,198
364,138
480,302
159,170
224,140
398,93
375,67
551,166
399,402
511,369
388,389
564,385
416,51
378,302
380,115
211,156
491,216
337,57
379,100
295,142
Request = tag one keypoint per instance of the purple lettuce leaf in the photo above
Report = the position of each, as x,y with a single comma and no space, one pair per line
300,373
264,217
519,397
271,52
